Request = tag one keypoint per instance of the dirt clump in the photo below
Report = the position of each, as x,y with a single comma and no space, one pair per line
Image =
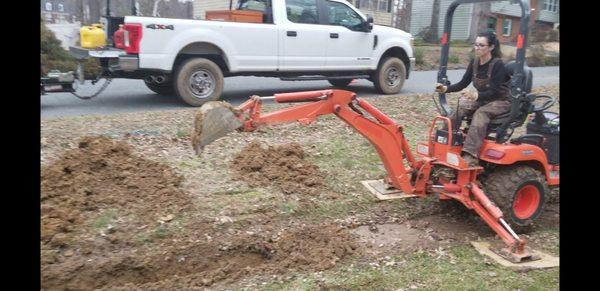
102,174
275,252
284,166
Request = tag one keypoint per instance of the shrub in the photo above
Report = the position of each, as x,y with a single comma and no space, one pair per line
419,56
54,57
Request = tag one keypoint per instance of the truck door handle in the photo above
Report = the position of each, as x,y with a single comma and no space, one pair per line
334,35
292,33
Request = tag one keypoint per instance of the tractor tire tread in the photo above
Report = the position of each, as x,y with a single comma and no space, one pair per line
501,186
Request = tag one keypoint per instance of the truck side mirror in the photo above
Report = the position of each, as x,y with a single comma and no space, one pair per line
369,24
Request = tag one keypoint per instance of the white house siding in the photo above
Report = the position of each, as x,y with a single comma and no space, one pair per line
421,18
548,16
504,7
461,20
201,6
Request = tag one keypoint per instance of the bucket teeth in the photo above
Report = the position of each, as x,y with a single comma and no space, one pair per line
214,120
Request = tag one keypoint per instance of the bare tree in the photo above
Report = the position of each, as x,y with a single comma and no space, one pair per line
481,14
94,11
155,8
404,12
435,22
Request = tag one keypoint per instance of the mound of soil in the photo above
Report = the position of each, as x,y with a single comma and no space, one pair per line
313,247
103,174
284,166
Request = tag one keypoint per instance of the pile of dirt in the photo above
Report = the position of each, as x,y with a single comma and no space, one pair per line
306,248
102,174
284,166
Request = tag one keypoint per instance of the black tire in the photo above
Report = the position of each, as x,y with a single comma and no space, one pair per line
165,88
390,76
505,185
210,86
342,83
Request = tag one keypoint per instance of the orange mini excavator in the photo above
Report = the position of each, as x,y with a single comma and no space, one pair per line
515,173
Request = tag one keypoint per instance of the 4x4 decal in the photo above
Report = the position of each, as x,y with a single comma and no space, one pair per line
160,26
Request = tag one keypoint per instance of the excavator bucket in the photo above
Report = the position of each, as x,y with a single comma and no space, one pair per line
214,120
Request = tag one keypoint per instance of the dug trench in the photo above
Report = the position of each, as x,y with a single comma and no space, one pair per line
115,220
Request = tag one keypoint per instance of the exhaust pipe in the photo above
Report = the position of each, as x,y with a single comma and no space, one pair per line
150,79
160,79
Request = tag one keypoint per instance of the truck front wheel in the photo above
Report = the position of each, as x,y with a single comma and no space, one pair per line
389,76
198,81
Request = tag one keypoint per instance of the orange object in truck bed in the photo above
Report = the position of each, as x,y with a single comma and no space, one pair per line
235,16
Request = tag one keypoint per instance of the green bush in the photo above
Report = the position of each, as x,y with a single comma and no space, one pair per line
553,35
54,57
453,59
460,43
419,42
551,61
419,56
537,57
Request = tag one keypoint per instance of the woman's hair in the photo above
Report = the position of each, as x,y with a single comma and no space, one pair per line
492,40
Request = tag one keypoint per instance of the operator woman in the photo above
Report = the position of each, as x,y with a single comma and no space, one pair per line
489,77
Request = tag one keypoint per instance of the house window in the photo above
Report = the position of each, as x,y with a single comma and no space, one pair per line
383,5
506,26
61,8
551,5
491,25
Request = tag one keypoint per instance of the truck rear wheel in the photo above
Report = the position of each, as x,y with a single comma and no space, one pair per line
161,89
389,76
520,192
198,81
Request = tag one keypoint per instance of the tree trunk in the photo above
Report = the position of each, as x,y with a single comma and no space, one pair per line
80,11
404,14
481,14
435,21
94,11
155,8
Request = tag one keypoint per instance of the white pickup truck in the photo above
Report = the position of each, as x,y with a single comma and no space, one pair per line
297,40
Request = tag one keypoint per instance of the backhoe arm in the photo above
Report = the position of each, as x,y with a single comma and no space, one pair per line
386,136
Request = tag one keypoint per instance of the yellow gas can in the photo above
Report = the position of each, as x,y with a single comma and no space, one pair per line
92,36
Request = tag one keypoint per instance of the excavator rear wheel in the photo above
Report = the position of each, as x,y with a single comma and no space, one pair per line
520,192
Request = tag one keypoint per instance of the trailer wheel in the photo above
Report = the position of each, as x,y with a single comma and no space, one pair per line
520,192
341,83
198,81
389,76
166,88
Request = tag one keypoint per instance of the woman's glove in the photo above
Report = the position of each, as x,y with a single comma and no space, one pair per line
440,88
